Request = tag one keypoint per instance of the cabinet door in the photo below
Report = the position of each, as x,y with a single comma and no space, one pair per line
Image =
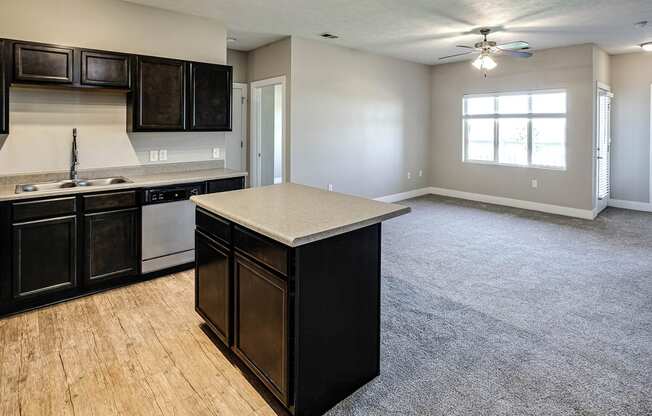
213,285
41,63
261,324
44,256
4,91
105,69
111,245
210,97
161,97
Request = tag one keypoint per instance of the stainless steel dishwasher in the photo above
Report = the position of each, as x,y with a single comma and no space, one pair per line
168,233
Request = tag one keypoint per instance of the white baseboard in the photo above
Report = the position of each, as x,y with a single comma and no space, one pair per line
586,214
404,195
637,206
496,200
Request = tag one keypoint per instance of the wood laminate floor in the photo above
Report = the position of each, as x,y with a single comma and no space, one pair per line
136,350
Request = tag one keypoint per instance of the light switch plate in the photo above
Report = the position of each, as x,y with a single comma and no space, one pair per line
163,154
216,153
535,183
330,187
153,155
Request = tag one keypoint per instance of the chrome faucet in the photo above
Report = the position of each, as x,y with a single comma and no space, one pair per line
75,157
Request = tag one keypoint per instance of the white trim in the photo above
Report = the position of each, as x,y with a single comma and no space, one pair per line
496,200
650,195
245,139
404,195
516,203
255,99
634,205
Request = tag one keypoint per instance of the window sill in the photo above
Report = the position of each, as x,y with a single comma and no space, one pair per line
511,165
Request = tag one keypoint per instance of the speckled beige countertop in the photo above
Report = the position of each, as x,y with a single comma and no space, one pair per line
8,192
296,214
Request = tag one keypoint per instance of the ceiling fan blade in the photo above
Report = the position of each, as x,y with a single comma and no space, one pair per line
517,54
514,45
464,46
455,55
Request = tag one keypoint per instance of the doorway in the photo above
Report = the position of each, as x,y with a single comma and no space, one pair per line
268,132
603,148
236,140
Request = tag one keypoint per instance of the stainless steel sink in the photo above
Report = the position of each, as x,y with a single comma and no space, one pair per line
49,186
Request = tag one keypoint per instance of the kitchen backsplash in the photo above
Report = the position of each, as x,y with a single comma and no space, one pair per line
41,123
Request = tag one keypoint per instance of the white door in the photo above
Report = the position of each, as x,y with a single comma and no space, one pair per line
268,125
237,138
603,150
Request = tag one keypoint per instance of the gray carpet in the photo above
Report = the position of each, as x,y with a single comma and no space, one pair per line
496,311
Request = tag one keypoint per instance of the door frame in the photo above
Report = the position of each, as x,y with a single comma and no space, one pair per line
600,204
255,128
245,136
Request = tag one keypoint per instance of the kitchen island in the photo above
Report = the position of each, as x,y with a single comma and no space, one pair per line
288,278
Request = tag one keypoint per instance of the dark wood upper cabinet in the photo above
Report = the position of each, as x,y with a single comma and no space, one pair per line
4,90
42,265
210,97
111,245
43,64
160,100
105,69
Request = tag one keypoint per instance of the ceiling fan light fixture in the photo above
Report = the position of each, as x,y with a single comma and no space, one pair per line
647,46
484,63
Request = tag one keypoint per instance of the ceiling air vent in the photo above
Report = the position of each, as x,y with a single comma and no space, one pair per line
329,36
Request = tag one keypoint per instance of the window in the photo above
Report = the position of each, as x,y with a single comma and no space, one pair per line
527,129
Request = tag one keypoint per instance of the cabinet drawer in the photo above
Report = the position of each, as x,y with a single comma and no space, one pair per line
42,63
214,226
266,251
224,185
112,200
32,210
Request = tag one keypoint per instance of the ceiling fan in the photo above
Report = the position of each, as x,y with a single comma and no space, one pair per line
487,48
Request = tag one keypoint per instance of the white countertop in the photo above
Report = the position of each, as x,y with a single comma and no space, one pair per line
296,214
7,192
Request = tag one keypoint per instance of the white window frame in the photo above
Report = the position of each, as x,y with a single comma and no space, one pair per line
495,116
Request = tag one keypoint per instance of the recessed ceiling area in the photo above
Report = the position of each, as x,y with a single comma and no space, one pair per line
423,30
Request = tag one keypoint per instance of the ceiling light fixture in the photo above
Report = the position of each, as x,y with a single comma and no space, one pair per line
647,46
484,62
231,39
329,36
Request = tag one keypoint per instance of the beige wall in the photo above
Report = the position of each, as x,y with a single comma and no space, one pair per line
270,61
239,60
569,68
359,121
631,78
41,121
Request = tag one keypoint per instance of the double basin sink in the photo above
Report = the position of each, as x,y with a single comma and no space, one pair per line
50,186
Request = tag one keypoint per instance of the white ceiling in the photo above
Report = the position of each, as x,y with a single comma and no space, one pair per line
423,30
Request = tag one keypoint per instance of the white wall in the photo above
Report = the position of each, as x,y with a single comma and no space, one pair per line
569,68
631,79
41,121
359,121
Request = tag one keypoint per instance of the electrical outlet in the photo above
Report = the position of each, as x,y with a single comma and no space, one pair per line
216,153
330,187
163,154
409,175
535,183
420,172
153,155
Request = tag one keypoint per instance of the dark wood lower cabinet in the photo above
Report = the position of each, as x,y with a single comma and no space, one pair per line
261,324
213,285
44,256
111,245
